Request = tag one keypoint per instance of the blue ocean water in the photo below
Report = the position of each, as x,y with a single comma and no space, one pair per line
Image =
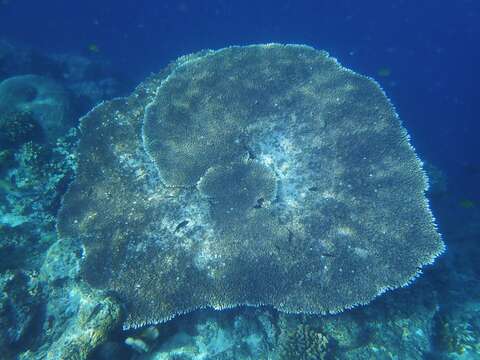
425,54
430,49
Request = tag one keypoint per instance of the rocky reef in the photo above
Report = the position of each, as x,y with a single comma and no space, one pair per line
44,312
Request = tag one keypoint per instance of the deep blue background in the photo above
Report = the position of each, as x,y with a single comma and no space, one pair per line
430,48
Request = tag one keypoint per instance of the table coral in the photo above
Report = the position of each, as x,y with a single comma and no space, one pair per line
265,174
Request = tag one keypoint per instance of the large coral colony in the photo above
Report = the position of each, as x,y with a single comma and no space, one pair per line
265,174
250,175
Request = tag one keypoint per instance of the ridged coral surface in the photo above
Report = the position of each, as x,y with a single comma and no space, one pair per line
266,174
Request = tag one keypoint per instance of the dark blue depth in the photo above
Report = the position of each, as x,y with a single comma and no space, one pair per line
426,51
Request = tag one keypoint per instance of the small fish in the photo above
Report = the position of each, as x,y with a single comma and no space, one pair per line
384,72
181,225
93,48
467,204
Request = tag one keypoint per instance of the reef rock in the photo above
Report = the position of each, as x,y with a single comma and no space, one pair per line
43,98
265,174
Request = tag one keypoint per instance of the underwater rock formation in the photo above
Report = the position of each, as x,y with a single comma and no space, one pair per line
88,79
17,128
265,174
43,98
303,343
18,310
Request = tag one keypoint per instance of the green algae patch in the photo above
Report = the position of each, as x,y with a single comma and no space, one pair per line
265,174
